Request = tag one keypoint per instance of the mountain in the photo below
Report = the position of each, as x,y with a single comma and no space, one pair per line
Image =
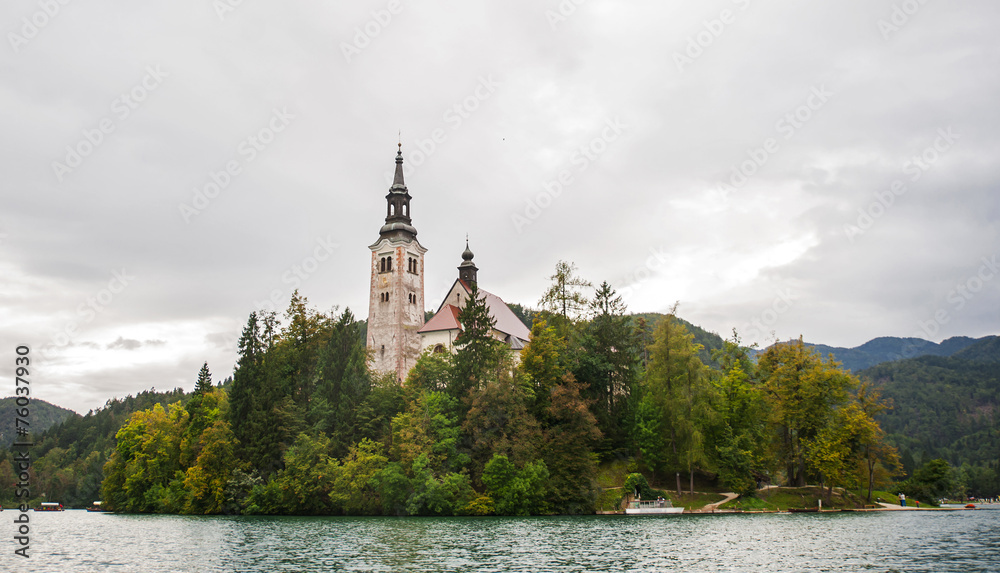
41,416
946,407
890,348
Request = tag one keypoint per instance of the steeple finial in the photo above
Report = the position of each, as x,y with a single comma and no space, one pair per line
397,179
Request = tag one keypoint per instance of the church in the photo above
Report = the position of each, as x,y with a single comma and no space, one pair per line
397,333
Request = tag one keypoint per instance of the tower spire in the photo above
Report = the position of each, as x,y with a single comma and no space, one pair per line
467,271
397,210
397,179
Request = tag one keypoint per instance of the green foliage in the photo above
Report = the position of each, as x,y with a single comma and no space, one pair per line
515,491
498,423
608,364
946,408
930,482
478,353
805,392
565,299
543,365
739,432
568,450
674,412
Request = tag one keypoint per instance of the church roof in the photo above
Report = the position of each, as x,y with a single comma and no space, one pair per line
445,319
507,322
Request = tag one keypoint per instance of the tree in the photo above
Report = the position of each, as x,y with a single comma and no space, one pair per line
568,450
609,364
804,392
498,423
565,298
478,353
515,491
677,398
204,383
145,460
342,384
739,435
543,367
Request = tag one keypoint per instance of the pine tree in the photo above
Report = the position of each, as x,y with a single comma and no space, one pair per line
478,353
204,383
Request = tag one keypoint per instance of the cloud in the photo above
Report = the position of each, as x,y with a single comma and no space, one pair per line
124,344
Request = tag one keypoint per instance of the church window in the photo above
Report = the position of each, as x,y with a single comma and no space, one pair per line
388,264
392,209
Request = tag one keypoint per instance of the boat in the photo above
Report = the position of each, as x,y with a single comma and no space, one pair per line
50,506
96,506
654,507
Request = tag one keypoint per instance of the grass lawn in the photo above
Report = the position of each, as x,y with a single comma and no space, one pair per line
785,498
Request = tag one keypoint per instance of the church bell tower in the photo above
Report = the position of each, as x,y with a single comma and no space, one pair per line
396,301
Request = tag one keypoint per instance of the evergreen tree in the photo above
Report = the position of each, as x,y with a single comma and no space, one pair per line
608,365
478,353
677,397
565,299
204,383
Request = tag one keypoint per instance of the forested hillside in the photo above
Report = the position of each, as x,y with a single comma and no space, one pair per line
42,417
67,459
890,348
949,408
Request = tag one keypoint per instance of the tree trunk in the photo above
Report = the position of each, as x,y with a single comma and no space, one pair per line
692,481
678,483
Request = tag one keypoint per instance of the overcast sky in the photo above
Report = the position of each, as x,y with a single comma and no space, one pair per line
824,169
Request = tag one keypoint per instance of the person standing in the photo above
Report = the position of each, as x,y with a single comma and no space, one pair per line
902,499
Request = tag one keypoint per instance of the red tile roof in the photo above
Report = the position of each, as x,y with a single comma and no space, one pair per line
445,319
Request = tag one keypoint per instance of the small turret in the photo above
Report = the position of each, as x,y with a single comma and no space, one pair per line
467,270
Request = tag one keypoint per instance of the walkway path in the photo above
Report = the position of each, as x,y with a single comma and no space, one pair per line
714,506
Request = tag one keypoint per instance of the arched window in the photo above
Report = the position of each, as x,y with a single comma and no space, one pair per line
392,209
388,264
381,268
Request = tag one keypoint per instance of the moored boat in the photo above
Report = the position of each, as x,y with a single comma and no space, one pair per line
96,506
50,506
654,507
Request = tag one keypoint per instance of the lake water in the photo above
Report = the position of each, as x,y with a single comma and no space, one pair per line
885,541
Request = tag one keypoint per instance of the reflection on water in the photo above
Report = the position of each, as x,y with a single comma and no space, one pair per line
888,541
